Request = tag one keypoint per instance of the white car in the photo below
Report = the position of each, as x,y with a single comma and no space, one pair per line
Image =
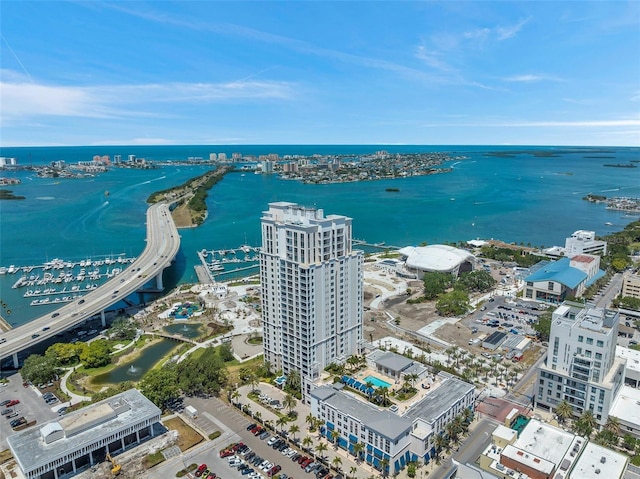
267,466
271,441
256,475
285,451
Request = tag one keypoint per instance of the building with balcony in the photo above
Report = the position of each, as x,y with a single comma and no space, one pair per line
630,285
581,366
395,436
312,290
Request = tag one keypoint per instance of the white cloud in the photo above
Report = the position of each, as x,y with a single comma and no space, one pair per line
23,99
527,78
504,33
432,59
548,123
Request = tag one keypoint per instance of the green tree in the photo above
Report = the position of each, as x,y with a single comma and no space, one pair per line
436,283
606,438
38,369
629,442
320,448
454,303
337,462
543,326
293,430
613,425
282,422
358,449
479,280
289,402
564,411
585,424
122,328
96,354
204,375
225,351
310,419
161,385
293,384
334,435
65,353
307,441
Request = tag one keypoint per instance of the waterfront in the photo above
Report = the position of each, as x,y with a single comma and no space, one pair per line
517,199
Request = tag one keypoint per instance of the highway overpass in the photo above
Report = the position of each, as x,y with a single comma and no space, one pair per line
163,243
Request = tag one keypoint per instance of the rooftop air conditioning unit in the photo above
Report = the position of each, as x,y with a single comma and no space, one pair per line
603,460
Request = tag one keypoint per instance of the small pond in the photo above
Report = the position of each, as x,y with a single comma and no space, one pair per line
187,330
135,369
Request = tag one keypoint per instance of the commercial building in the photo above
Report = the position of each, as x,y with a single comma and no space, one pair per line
555,281
439,258
584,242
84,437
581,366
631,285
312,290
392,436
542,451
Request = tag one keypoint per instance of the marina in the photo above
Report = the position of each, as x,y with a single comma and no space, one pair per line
214,262
59,281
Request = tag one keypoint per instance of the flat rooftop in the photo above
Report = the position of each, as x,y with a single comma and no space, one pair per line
597,462
626,405
631,355
545,441
439,400
114,414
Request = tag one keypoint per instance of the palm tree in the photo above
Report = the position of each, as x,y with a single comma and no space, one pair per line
585,424
384,465
311,421
307,441
564,411
334,437
254,381
358,449
369,389
258,415
439,443
289,402
282,421
293,429
319,424
613,425
236,395
320,448
353,471
337,462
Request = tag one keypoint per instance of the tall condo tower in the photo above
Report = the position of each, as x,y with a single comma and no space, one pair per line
311,290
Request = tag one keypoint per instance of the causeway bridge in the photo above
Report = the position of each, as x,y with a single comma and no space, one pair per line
163,243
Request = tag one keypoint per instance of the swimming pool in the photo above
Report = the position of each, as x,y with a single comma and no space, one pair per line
377,382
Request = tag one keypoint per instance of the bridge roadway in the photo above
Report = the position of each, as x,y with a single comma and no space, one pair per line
163,242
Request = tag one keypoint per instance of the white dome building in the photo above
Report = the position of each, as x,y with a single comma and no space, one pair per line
436,257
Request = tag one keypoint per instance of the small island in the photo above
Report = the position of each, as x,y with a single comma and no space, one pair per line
393,190
8,195
189,198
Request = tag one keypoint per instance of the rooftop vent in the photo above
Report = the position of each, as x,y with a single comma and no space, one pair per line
603,460
597,471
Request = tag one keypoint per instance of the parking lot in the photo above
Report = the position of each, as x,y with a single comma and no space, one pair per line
31,406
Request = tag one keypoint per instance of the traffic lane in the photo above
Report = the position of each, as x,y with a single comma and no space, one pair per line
477,441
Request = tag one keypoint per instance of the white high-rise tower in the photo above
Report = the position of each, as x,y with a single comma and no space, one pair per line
311,290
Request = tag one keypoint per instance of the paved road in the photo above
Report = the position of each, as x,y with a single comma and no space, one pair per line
163,243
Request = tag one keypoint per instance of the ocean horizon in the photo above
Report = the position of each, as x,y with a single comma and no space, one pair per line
522,198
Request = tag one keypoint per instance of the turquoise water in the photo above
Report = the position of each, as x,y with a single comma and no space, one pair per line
188,330
517,199
377,382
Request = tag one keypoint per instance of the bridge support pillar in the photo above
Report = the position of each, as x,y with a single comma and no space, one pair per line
159,284
103,319
16,363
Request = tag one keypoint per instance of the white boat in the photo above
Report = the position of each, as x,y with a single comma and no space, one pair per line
3,270
609,223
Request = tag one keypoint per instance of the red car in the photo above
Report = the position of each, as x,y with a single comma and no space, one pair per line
301,459
273,471
257,431
306,462
200,470
226,453
237,446
13,402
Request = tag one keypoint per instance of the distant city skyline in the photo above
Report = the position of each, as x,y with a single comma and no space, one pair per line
233,73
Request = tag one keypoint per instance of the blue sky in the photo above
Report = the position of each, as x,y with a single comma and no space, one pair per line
442,73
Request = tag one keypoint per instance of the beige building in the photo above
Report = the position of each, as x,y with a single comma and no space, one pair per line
631,285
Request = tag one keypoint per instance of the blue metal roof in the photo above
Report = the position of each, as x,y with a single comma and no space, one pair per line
561,272
597,276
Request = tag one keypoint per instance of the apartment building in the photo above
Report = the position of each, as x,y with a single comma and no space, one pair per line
312,290
581,366
630,285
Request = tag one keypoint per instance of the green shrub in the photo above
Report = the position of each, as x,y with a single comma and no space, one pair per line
214,435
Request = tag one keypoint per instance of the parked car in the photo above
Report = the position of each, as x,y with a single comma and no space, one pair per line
200,470
13,402
6,411
18,422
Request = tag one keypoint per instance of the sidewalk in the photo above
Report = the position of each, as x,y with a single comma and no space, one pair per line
74,398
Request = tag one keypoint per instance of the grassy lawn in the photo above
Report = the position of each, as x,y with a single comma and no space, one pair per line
187,436
153,460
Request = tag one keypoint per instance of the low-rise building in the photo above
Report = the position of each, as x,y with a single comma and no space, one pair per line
391,437
555,281
542,451
630,285
83,438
